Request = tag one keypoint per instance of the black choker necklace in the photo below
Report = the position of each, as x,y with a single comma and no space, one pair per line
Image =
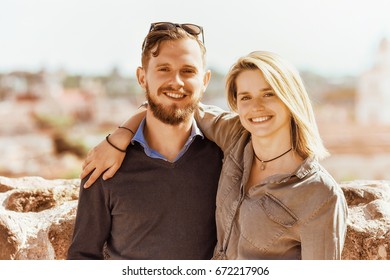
263,162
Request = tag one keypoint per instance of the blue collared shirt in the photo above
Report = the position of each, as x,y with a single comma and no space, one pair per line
140,138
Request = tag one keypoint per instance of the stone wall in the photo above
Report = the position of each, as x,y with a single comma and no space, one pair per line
37,218
368,233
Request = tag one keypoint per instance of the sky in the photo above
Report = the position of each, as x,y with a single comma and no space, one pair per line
330,37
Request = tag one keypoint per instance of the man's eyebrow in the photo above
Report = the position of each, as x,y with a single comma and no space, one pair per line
183,66
162,64
189,65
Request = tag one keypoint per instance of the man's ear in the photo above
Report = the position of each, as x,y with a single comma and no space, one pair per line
141,77
206,79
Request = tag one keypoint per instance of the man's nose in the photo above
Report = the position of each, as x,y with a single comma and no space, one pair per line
176,79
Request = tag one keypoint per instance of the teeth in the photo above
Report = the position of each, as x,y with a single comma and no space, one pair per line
260,119
175,95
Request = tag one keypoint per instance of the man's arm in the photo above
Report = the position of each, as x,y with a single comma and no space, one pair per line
92,226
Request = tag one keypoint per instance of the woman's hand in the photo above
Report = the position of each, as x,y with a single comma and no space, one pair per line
103,158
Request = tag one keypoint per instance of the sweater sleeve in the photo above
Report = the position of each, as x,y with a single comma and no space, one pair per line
93,223
221,127
323,235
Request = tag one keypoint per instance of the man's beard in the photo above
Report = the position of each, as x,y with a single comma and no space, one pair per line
172,115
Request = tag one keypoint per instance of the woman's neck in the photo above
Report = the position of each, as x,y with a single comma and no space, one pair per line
271,157
267,148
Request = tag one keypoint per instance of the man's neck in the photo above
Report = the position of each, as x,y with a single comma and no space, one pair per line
166,139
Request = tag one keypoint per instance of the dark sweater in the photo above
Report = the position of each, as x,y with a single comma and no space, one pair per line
151,209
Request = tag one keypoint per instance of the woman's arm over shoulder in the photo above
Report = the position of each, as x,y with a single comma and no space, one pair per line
107,157
222,127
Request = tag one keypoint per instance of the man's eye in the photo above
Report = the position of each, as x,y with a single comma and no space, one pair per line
188,71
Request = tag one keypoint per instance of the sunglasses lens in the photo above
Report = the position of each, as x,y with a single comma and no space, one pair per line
188,27
192,29
162,26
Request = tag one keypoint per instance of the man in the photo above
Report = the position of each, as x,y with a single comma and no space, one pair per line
161,202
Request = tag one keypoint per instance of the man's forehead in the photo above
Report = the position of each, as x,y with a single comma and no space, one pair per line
180,49
177,57
175,63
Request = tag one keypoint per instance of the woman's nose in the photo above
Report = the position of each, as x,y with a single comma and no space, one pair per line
258,104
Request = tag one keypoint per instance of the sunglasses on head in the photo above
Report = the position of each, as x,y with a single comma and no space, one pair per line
190,28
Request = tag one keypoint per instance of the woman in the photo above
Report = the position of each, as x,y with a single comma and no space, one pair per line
275,200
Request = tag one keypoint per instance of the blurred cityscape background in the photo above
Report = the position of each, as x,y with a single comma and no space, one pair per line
67,72
49,120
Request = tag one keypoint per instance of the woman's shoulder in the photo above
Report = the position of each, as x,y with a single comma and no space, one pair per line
318,190
313,177
323,181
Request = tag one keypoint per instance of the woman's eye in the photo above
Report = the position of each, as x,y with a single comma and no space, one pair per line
269,94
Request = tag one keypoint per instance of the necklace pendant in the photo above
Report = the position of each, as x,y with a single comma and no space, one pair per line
264,162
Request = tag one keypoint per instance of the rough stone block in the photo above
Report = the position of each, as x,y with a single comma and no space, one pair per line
37,218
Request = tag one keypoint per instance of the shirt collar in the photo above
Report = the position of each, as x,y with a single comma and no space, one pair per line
308,166
140,138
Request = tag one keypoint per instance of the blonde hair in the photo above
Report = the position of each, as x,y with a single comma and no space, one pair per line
285,80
